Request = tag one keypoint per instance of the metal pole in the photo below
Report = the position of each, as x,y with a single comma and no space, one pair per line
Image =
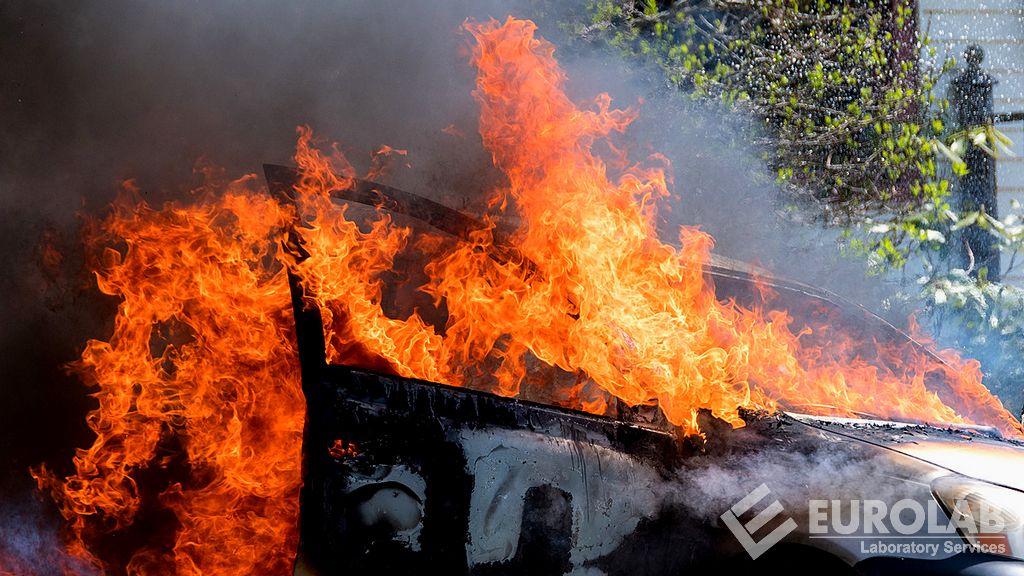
971,97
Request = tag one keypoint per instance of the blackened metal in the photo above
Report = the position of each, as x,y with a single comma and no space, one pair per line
369,393
309,332
418,425
386,438
669,543
312,350
964,563
971,96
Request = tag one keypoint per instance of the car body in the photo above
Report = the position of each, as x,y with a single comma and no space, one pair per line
402,474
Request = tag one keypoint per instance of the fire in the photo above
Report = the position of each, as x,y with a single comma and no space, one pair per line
634,314
197,388
602,296
200,408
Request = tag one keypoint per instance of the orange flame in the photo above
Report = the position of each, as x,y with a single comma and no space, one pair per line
199,380
602,295
200,368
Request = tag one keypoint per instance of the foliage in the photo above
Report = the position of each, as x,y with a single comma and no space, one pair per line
983,318
854,128
838,105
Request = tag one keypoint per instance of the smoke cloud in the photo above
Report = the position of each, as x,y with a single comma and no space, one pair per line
100,91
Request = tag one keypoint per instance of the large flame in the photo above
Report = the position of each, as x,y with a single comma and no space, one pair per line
603,296
198,385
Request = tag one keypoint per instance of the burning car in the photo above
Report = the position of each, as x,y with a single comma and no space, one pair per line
547,388
403,473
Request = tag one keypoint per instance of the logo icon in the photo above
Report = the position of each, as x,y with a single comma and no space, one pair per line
744,533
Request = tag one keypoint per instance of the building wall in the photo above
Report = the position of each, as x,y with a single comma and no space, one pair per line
998,27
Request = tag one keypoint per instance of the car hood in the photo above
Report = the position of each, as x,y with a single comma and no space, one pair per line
978,452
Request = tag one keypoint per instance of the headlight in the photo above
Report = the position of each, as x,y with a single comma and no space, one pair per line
989,518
